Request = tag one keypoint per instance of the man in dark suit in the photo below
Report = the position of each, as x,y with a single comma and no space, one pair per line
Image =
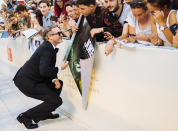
37,78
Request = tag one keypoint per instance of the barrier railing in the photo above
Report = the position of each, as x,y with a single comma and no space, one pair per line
134,88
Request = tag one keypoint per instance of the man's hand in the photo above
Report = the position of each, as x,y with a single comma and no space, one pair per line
67,33
57,84
74,29
64,65
108,35
109,47
95,31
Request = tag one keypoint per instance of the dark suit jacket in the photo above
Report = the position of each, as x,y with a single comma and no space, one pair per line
41,66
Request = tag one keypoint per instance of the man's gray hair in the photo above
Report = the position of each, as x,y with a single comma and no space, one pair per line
46,32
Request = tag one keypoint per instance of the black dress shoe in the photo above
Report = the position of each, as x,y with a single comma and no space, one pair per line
50,116
27,122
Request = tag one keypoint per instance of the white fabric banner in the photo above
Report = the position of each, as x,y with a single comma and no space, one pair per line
132,89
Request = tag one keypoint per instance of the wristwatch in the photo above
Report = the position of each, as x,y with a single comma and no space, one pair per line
162,28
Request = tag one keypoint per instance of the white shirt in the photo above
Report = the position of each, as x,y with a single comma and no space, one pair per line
124,14
46,20
59,68
132,21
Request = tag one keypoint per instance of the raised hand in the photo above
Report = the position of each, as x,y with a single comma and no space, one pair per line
57,84
64,65
95,31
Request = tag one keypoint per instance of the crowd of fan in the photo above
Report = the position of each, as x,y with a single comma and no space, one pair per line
154,21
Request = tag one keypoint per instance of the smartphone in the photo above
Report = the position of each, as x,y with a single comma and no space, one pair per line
107,34
174,29
132,35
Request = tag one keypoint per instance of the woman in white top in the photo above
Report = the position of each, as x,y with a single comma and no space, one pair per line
138,28
139,22
163,18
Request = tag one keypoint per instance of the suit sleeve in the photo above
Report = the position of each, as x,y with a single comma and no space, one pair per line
45,67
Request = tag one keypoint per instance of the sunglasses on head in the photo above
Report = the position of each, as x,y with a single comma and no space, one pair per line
137,4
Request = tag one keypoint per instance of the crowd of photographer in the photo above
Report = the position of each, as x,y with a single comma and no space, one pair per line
154,21
36,15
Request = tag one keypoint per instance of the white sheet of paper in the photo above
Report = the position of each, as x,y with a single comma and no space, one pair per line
29,33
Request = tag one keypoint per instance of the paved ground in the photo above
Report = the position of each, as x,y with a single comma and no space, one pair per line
13,102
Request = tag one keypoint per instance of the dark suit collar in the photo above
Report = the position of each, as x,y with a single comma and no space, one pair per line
55,49
51,45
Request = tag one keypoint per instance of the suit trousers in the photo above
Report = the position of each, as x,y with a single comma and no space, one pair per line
42,91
